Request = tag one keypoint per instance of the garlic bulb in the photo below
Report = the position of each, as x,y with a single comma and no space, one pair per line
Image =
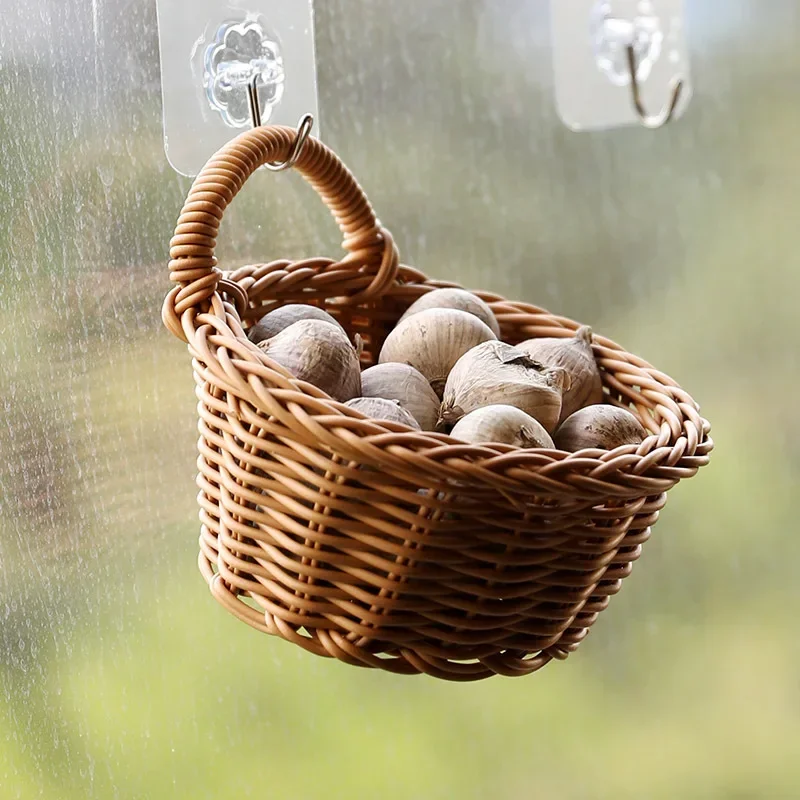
383,409
496,372
501,424
575,355
602,426
282,317
433,340
459,299
408,386
320,353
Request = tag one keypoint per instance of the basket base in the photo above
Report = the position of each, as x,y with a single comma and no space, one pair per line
374,654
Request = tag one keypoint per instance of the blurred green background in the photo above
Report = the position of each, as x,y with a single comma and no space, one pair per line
121,678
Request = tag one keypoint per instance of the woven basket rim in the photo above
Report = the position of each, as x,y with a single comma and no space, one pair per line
679,441
674,450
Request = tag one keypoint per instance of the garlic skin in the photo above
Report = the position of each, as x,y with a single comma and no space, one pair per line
575,355
460,299
496,372
379,408
316,351
408,386
602,426
433,340
501,424
282,317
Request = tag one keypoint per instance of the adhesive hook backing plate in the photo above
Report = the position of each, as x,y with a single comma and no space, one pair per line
591,41
211,50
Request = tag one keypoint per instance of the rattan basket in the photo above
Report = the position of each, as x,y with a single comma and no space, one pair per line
364,540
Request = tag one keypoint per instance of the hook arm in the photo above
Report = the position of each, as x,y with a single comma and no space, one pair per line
303,129
652,121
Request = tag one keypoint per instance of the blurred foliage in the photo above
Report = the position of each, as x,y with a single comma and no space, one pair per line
122,678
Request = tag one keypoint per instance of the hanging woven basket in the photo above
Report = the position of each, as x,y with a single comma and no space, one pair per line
366,541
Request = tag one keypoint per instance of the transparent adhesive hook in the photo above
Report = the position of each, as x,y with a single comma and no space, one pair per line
211,50
620,62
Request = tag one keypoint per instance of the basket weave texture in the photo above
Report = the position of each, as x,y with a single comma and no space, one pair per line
366,541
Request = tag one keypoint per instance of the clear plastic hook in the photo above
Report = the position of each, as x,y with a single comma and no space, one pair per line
212,51
615,58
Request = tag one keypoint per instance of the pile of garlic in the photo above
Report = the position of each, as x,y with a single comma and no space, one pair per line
444,368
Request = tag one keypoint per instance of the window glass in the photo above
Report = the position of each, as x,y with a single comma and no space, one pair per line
120,677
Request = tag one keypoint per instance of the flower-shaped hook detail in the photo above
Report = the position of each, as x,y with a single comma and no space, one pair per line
240,51
612,35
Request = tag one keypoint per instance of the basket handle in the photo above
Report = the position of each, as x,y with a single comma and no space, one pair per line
372,255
